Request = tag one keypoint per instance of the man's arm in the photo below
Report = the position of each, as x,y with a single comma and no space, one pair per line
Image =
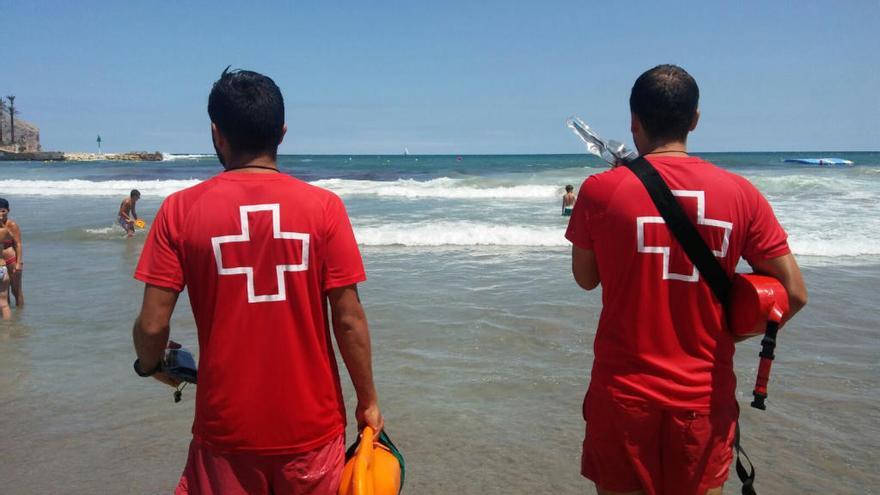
353,338
786,270
152,327
133,210
584,267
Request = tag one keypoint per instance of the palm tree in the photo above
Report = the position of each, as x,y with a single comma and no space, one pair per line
11,118
2,108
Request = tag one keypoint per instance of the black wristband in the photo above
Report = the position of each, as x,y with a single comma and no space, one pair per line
152,372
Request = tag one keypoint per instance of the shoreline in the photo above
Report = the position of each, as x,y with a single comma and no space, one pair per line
65,156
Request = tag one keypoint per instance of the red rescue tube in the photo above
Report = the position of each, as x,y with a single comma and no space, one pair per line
755,300
757,305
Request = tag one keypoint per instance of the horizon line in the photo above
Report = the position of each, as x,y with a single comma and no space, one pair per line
513,154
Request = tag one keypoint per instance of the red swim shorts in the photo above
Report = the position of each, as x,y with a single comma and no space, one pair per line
633,445
209,472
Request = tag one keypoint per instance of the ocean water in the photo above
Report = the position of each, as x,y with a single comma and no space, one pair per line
482,341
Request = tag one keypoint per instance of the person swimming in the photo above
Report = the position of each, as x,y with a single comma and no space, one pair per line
568,200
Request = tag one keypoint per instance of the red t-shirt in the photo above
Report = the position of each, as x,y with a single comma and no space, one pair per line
662,336
257,252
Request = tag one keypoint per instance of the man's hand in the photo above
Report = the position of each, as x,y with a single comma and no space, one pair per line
19,266
786,270
369,415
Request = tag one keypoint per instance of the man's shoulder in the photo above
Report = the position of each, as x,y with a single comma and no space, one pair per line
722,175
600,188
325,197
607,178
194,191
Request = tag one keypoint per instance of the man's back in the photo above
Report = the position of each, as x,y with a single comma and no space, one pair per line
257,252
661,335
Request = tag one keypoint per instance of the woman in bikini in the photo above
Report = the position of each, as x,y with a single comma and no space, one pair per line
12,252
5,312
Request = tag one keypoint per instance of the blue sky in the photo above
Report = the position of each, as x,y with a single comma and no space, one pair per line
444,77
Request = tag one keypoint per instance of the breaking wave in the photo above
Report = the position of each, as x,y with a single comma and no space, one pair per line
470,233
458,234
170,157
441,188
78,187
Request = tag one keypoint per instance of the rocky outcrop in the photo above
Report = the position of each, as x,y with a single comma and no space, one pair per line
31,156
27,146
131,156
27,135
56,156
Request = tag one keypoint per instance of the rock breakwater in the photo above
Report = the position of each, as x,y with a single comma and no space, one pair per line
60,156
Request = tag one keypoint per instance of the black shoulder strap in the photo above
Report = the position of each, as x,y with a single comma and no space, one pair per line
702,257
747,477
682,228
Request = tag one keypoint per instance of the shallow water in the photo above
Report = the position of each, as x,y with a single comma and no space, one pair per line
482,351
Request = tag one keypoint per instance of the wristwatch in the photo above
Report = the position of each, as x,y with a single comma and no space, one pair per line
152,372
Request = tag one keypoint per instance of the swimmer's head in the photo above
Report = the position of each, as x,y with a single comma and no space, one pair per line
569,188
4,204
135,194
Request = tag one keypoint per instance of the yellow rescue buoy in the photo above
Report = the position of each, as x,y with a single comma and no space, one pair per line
372,467
140,223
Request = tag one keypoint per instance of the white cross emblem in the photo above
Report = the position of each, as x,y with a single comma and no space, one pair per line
664,250
248,271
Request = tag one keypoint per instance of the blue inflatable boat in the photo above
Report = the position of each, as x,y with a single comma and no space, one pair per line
820,161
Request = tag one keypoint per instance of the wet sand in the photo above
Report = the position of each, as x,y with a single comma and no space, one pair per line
482,359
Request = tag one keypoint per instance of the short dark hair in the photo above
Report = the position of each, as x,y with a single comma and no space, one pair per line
134,192
665,100
248,109
569,188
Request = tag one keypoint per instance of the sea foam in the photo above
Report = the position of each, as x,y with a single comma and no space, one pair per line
463,233
440,188
79,187
169,157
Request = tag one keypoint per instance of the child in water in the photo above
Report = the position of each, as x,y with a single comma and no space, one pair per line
127,215
568,200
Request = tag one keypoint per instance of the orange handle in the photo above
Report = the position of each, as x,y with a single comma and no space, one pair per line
363,483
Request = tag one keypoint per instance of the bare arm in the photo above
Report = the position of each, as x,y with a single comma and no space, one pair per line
152,327
353,338
19,247
786,270
584,267
124,207
133,210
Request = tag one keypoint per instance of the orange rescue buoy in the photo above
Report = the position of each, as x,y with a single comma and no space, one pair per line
374,468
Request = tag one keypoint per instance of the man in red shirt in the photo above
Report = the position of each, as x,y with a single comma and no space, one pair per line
262,254
661,407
